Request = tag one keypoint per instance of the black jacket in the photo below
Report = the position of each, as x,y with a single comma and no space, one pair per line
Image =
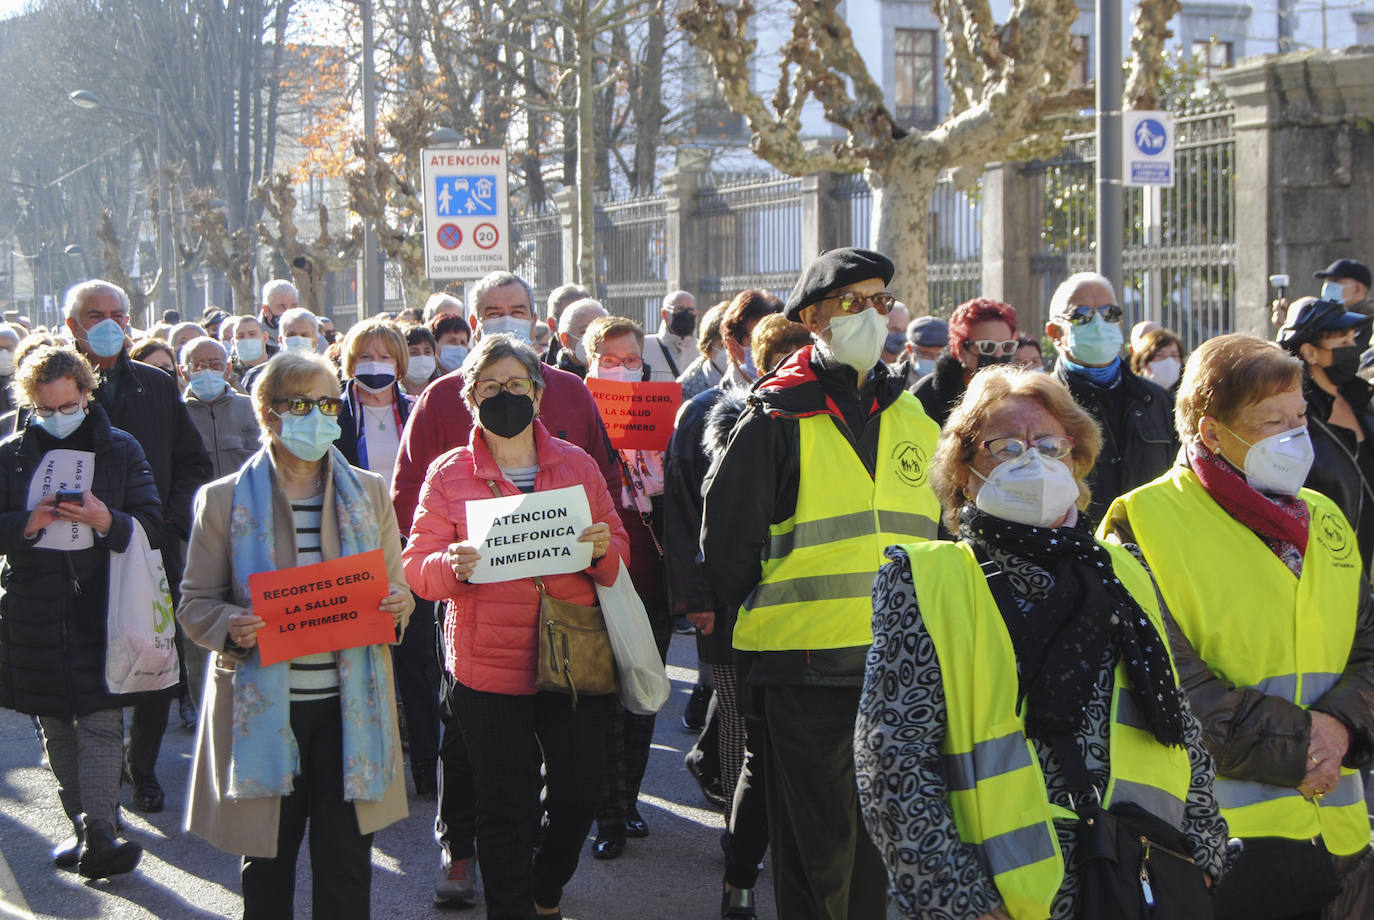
753,484
53,609
941,389
1138,439
1336,470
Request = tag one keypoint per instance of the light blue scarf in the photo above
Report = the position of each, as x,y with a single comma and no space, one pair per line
265,759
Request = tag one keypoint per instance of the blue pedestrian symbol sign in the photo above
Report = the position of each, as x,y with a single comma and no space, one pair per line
1147,148
1150,137
465,196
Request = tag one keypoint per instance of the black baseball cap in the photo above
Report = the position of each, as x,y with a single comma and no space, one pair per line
1315,317
1346,268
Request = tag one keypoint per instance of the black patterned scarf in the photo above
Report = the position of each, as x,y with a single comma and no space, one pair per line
1064,639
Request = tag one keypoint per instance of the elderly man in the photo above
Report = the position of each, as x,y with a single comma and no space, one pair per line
669,353
9,342
182,333
827,466
501,302
278,296
442,303
926,338
223,416
572,325
895,345
560,298
1138,439
143,401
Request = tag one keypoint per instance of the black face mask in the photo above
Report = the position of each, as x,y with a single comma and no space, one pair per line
506,415
1345,363
992,360
682,322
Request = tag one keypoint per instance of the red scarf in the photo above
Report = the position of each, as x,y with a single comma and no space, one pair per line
1280,521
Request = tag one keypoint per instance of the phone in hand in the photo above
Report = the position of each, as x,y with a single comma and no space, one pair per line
69,495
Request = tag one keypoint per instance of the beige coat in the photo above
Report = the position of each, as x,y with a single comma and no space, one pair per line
248,827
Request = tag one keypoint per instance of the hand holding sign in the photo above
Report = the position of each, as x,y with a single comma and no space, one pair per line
325,607
522,536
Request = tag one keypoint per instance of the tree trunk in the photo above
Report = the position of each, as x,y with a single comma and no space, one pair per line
586,162
901,212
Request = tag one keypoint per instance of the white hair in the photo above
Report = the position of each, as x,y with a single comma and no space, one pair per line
1059,303
670,299
296,314
437,300
574,309
490,282
275,285
190,348
78,295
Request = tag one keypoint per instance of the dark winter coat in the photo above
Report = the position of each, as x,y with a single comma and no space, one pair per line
1336,469
53,610
941,389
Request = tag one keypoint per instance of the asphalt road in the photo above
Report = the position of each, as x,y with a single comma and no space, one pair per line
673,873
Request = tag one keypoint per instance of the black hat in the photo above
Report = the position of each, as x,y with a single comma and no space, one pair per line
1315,317
928,332
835,269
1346,268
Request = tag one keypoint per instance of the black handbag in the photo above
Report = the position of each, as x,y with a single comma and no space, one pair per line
1275,879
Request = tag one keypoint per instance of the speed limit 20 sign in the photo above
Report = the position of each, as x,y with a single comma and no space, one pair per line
467,217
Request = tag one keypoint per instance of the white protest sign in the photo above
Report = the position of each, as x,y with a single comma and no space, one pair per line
521,536
1147,148
63,469
467,215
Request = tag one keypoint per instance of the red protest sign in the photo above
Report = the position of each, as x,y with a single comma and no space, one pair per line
637,415
323,607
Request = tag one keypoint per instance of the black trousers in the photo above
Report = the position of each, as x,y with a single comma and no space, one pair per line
628,740
507,738
417,681
455,818
825,867
340,856
748,841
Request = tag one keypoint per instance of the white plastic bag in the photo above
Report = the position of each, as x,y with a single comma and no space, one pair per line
140,624
644,686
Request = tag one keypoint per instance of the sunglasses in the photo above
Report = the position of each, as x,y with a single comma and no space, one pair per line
301,405
854,302
1053,447
990,347
1078,316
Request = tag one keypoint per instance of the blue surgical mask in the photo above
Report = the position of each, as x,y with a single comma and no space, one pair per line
106,338
749,369
298,344
308,436
248,350
510,325
451,356
59,425
1094,343
925,366
207,385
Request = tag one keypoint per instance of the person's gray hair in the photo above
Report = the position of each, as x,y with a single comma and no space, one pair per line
437,300
78,295
490,349
7,332
184,356
1059,303
565,295
179,328
275,285
670,298
295,315
491,282
570,312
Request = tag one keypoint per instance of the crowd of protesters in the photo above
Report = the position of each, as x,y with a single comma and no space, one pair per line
960,589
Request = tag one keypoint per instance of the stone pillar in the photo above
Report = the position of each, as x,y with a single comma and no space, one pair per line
1008,234
821,225
1304,171
684,268
566,201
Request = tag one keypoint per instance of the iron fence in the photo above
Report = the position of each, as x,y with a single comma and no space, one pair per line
750,231
537,250
632,257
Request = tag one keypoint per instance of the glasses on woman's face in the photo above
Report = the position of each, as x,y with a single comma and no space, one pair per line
854,302
991,347
70,408
1052,447
516,386
629,362
1079,315
301,405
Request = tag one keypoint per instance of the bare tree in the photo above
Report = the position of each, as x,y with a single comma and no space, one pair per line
309,261
112,267
232,252
1009,86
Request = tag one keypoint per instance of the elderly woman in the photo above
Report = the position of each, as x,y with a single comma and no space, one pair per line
451,333
982,333
54,607
1275,630
159,354
1026,628
312,738
1159,358
423,365
491,635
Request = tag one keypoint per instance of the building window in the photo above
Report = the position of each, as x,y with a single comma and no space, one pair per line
1212,56
1079,77
914,57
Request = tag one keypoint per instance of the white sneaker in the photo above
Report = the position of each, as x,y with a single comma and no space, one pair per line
457,884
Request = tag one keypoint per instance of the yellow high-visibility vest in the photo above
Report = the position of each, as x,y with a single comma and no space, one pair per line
1256,625
818,565
994,781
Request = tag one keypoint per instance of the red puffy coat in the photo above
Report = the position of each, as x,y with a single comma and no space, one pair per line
492,630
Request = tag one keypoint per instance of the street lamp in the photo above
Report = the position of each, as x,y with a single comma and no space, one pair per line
86,99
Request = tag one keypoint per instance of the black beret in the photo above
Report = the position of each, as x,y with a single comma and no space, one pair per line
835,269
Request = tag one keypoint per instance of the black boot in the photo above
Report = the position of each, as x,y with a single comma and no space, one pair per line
105,856
66,853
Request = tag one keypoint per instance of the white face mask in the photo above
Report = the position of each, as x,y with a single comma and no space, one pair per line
719,360
420,368
298,344
1030,489
1164,371
623,374
510,325
1279,463
856,339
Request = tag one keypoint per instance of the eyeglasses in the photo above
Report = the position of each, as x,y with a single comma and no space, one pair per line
1080,315
629,362
992,347
1053,447
301,405
70,408
215,365
516,386
854,302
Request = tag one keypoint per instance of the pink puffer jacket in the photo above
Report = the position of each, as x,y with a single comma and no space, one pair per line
491,631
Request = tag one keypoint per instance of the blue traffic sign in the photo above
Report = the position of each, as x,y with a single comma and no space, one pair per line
465,196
